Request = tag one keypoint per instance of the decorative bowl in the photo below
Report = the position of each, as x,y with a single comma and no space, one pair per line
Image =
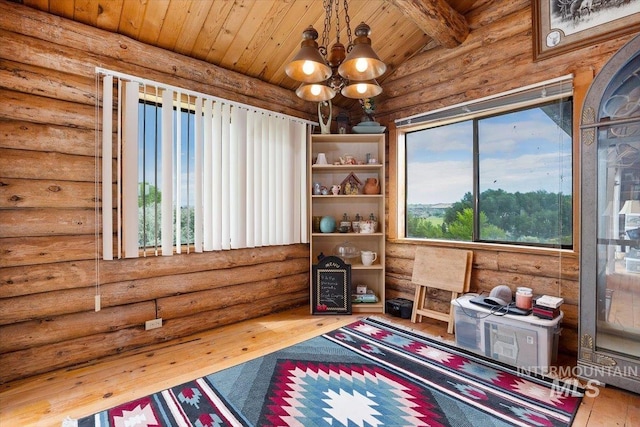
360,128
346,251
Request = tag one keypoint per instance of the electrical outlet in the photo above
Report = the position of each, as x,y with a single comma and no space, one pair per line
153,324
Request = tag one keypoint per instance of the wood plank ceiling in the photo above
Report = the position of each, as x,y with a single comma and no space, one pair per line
258,37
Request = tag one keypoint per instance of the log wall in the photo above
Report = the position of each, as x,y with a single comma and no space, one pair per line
497,56
48,266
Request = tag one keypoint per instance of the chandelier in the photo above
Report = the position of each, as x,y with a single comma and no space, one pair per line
351,71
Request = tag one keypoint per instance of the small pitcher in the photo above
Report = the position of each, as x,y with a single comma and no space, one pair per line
368,257
371,186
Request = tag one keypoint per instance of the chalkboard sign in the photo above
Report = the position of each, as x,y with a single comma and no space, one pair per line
331,287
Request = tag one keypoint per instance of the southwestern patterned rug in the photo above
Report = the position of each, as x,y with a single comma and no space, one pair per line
369,373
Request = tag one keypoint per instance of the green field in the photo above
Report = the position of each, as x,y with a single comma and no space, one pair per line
435,220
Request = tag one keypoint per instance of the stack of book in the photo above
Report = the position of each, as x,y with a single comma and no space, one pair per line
547,307
369,297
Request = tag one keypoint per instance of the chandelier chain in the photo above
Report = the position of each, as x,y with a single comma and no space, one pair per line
325,71
327,26
347,21
337,21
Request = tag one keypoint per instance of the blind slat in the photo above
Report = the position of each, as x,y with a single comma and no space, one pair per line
178,169
166,172
215,186
250,196
207,156
198,137
107,170
130,172
225,181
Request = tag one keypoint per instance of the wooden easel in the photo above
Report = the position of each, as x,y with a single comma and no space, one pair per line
446,269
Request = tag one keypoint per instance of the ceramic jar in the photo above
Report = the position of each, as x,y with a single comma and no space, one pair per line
327,224
371,186
524,298
368,226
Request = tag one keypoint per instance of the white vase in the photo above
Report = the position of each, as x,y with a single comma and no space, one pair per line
322,159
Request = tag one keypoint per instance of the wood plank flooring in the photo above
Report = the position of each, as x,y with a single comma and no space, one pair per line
45,400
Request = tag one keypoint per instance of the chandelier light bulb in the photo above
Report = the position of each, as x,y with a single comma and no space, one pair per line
308,68
316,89
361,65
361,89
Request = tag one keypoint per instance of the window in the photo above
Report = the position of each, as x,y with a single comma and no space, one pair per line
192,172
150,176
495,172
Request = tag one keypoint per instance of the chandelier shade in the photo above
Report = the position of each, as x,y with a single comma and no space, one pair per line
308,65
361,89
316,92
324,71
362,62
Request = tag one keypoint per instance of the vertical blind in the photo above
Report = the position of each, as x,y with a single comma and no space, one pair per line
248,175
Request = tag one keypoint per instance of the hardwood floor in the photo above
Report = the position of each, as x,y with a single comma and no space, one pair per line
46,400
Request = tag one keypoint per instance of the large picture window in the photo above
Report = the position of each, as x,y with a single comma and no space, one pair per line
500,175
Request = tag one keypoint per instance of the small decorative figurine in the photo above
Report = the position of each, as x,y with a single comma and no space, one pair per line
325,117
351,184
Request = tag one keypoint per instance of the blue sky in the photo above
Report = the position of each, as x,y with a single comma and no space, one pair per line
523,157
187,157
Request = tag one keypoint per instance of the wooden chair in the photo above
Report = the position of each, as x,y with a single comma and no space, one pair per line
438,268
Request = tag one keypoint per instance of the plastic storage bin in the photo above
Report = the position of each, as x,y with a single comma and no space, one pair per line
633,265
527,342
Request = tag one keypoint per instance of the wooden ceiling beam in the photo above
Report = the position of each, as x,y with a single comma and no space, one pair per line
437,19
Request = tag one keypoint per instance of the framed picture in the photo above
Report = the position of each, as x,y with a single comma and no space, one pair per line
560,26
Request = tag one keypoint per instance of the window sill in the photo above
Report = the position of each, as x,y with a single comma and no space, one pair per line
573,253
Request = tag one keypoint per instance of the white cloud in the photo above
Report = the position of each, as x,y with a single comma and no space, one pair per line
427,186
524,174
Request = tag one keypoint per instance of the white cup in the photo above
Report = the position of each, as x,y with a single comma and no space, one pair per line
368,226
368,257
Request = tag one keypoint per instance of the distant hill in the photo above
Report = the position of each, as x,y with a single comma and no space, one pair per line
428,210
